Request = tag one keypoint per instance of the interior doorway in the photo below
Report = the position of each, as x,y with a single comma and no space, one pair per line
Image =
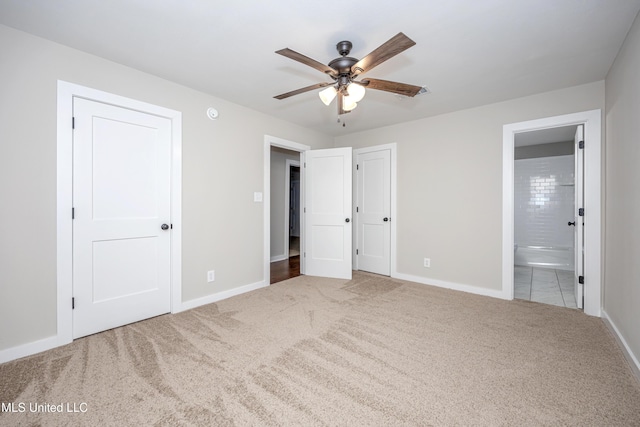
285,214
326,194
591,261
545,199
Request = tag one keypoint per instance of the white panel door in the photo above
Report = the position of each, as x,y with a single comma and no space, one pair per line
579,223
121,198
373,210
328,212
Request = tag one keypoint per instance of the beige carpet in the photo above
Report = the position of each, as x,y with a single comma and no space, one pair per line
310,351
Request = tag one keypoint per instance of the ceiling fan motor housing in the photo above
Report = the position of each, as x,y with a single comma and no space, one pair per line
343,64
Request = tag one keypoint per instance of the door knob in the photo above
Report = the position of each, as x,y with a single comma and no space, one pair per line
164,226
385,219
347,220
571,223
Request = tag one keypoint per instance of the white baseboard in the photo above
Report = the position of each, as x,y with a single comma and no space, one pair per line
30,348
450,285
45,344
626,350
279,258
219,296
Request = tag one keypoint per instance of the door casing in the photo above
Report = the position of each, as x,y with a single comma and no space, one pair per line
66,93
592,121
272,141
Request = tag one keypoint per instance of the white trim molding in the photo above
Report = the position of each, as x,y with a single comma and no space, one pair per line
634,363
219,296
450,285
277,258
592,121
30,348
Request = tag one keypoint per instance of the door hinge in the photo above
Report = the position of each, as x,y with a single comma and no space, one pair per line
172,226
305,164
73,303
304,210
581,144
73,122
581,280
73,213
357,252
581,212
305,255
357,209
357,166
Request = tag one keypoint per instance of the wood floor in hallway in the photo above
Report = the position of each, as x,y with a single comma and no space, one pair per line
285,269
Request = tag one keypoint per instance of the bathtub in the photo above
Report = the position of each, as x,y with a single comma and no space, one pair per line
537,256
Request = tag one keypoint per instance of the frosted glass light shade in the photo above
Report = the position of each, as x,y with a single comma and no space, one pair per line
356,92
347,105
327,95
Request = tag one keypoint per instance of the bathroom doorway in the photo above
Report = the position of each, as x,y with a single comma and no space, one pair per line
544,222
588,217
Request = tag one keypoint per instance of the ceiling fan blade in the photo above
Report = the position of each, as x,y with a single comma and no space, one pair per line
391,48
302,90
395,87
292,54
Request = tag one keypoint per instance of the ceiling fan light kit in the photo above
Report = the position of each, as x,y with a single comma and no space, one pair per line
327,95
344,70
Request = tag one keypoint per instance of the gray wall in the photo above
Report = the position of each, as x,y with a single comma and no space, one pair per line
222,226
544,150
279,158
450,183
622,248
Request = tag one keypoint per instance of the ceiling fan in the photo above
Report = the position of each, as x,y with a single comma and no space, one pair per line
344,71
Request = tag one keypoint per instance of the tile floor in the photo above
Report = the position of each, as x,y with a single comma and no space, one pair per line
544,285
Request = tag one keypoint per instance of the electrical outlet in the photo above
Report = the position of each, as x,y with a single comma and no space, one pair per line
211,275
427,263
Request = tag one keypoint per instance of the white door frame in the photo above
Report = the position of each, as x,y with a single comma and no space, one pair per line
66,93
272,141
287,202
592,121
393,148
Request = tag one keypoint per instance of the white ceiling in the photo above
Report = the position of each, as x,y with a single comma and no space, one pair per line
468,52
